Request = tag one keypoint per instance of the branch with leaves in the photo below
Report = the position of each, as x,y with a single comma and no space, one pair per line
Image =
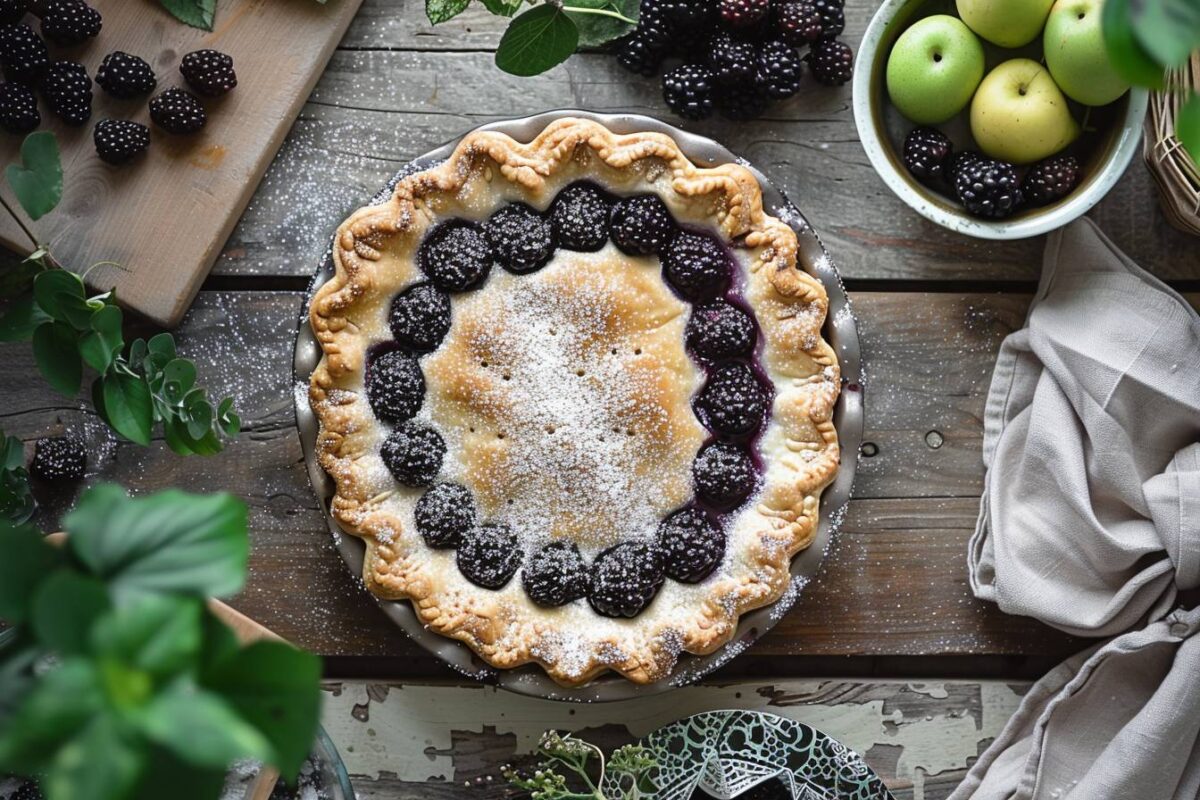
138,385
567,772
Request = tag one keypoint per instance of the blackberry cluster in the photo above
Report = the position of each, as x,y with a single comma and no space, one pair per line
641,225
18,108
58,460
696,266
12,11
120,140
986,187
123,75
67,88
738,56
67,23
720,330
456,256
927,155
178,112
1050,180
209,72
579,216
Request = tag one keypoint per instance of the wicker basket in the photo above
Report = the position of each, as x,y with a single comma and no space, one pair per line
1173,169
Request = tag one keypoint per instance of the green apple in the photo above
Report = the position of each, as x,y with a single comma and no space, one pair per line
933,69
1019,115
1076,56
1008,23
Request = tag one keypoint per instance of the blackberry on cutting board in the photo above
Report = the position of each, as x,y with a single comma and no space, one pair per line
124,75
58,460
688,91
12,11
209,72
23,53
69,22
555,575
177,111
692,545
625,578
18,108
120,140
986,187
67,88
1050,180
928,154
779,69
489,555
832,62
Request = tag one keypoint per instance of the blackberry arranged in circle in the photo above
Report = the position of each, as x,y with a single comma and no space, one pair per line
521,238
120,140
986,187
555,575
1050,180
69,22
692,545
489,555
413,454
208,72
733,61
641,225
741,103
58,459
732,402
18,108
798,22
68,91
696,266
445,514
719,330
833,16
177,111
23,53
456,256
124,75
744,13
579,216
928,154
395,386
12,11
625,578
688,91
723,475
779,70
420,317
832,62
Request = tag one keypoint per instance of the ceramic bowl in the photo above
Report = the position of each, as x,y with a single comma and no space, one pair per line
1104,153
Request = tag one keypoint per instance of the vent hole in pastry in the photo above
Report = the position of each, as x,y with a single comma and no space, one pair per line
637,351
579,372
500,435
550,429
507,377
483,364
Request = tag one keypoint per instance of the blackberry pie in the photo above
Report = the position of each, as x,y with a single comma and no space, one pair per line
575,399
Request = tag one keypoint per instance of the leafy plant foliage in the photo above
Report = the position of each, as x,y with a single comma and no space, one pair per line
567,772
16,499
120,682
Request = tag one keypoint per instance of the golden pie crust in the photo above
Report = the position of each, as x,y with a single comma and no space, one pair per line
374,257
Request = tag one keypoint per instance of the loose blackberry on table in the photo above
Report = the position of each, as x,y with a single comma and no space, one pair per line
124,75
444,514
743,14
489,555
555,575
732,402
208,72
580,215
67,88
723,475
798,22
833,16
455,256
697,266
832,62
719,330
521,238
69,22
119,141
18,108
642,225
178,111
733,61
625,579
419,317
692,545
12,11
688,91
687,15
395,386
23,54
779,69
413,453
58,459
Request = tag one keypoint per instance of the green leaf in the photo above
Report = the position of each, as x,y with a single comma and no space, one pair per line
180,377
60,703
278,689
65,607
76,311
201,420
21,319
220,642
502,8
28,559
1128,57
197,13
439,11
95,351
128,406
167,542
38,180
51,286
162,347
167,776
599,29
537,40
98,764
1169,30
201,727
157,634
57,355
12,454
1187,127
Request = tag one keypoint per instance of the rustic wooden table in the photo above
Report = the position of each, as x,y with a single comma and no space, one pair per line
892,601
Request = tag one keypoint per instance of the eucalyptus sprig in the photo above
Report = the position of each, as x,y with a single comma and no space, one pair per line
16,498
549,32
1147,38
627,769
136,386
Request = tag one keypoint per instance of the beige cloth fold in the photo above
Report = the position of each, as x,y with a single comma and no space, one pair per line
1090,522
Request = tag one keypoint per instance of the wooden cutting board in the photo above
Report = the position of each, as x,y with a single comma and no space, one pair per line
162,219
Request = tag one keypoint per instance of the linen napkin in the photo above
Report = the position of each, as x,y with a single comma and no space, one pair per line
1090,522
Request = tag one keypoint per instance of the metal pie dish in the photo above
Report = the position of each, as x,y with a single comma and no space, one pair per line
840,331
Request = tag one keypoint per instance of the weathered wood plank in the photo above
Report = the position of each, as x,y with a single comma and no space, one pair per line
893,584
402,741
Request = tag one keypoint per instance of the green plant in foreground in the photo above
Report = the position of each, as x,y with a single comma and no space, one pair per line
138,385
627,769
549,32
120,683
16,498
1145,39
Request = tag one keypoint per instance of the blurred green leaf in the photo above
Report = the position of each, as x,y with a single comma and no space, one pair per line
60,703
57,355
100,763
1125,52
38,180
1187,127
1168,30
28,560
201,727
65,607
157,634
21,319
167,776
537,40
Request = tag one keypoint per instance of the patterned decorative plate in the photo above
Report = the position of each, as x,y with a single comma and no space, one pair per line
727,753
